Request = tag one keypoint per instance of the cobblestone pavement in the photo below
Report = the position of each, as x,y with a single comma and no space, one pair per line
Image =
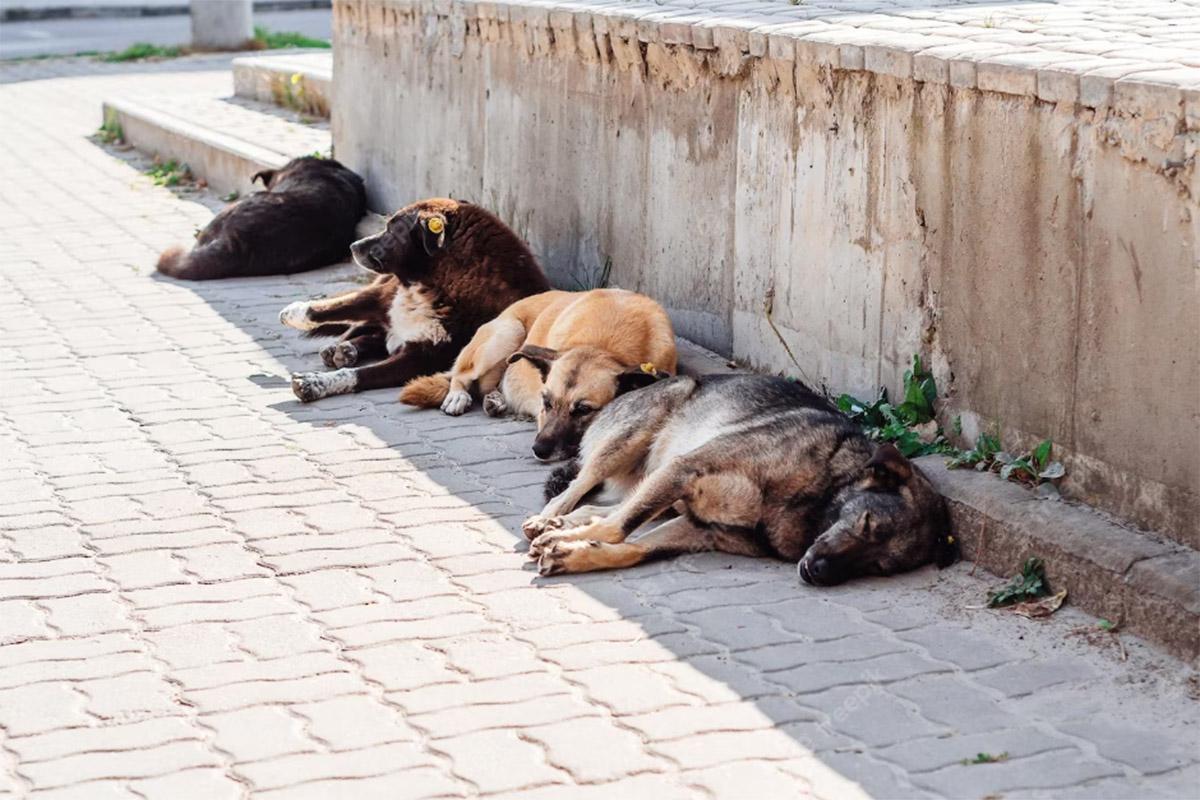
208,589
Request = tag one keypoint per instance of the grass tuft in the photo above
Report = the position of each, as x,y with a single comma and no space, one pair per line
275,40
142,50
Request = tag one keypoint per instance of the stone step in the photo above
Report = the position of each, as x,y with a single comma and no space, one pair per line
301,81
223,140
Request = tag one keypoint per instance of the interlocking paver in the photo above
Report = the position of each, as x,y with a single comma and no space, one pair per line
209,590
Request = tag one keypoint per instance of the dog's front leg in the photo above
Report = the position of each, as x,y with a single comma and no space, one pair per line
359,344
673,538
411,360
348,308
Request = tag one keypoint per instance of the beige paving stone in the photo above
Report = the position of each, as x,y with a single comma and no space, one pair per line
258,733
329,600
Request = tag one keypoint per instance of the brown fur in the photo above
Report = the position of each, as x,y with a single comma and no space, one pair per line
450,266
557,356
756,466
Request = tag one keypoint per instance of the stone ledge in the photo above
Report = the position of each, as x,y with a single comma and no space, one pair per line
1151,588
1146,81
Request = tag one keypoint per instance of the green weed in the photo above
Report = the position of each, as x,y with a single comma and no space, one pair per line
169,173
142,50
110,132
1031,468
274,40
886,422
985,758
1026,585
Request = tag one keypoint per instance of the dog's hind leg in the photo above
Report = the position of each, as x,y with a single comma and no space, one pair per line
520,392
673,538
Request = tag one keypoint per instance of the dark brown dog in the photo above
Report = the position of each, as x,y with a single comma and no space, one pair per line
755,466
304,220
446,268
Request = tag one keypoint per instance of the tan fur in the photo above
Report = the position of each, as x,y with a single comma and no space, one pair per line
597,335
427,391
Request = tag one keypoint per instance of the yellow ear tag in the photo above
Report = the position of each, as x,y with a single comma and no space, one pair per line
435,225
949,540
649,369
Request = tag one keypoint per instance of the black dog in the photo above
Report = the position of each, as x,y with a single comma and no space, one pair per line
304,220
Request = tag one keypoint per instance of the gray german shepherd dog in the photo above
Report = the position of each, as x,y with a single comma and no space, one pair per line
755,466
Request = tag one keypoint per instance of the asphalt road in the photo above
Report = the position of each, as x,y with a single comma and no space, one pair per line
69,36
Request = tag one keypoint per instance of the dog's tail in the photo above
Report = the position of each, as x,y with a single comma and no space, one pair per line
560,479
426,392
203,263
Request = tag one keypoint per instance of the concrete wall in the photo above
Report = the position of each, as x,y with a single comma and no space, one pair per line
1041,255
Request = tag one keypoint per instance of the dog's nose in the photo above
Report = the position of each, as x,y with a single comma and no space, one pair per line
815,571
543,450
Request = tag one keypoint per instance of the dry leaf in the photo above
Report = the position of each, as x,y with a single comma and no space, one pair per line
1040,608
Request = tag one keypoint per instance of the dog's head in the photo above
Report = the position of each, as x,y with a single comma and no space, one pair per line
302,168
891,521
576,384
414,237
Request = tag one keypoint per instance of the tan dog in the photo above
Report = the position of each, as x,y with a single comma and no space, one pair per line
559,357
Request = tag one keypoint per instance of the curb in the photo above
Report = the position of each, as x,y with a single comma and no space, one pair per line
1145,586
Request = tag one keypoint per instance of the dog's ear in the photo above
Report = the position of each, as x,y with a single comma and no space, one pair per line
638,377
945,547
540,357
433,232
888,469
945,551
266,176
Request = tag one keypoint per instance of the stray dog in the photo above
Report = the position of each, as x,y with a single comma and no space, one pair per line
568,355
755,466
304,220
445,268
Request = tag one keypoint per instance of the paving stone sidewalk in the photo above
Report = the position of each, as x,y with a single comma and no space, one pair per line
210,590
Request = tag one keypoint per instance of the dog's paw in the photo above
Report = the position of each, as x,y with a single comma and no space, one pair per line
310,386
576,555
295,315
535,526
456,403
494,405
339,354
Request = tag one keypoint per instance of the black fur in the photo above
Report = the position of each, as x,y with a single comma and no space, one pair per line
560,478
305,219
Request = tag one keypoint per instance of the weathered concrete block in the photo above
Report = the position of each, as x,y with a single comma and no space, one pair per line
826,195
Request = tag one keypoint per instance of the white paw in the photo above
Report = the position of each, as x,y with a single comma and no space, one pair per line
295,315
457,402
310,386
